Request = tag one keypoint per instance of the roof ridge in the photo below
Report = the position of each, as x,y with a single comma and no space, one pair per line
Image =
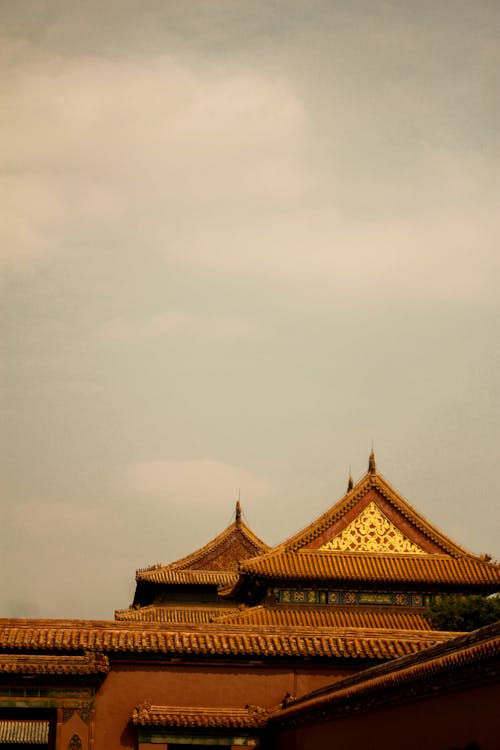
372,479
236,527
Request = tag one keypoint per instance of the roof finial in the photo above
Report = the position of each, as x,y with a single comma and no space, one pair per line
350,481
372,467
237,515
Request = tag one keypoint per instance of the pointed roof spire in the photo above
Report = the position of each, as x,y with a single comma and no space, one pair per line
350,481
237,514
372,466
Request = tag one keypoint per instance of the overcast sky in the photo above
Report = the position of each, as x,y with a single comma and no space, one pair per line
240,241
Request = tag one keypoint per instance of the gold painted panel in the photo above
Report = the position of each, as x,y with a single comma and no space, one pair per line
372,531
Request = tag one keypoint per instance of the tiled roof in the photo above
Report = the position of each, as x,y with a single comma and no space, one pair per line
167,574
212,640
90,663
238,531
374,483
373,567
171,614
326,617
216,562
469,657
33,732
181,716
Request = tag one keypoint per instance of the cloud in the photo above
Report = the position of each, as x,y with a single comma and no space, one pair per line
198,482
92,145
441,257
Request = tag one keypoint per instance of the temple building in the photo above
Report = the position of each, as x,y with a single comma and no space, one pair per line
322,640
370,561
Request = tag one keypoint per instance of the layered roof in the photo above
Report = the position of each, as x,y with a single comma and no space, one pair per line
211,640
326,617
341,567
456,663
214,563
373,535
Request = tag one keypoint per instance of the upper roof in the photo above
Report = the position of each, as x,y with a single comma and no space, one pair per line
356,567
373,534
373,517
214,563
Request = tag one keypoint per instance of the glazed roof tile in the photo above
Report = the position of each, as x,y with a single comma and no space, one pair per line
373,567
212,640
378,486
168,574
216,562
32,732
326,617
88,664
420,673
192,614
207,717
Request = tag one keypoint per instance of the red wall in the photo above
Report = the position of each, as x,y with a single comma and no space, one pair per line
128,685
445,722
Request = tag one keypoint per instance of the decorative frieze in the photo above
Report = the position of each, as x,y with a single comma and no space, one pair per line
340,597
372,531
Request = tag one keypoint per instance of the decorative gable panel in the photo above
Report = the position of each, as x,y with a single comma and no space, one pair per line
372,531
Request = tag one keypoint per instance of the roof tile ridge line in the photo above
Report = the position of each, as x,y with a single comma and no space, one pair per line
413,672
238,614
336,511
419,519
217,540
446,644
342,506
394,674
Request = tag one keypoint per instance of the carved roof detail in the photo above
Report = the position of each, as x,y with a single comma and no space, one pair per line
372,535
372,531
373,488
182,716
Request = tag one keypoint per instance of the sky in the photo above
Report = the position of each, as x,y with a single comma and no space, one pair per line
241,243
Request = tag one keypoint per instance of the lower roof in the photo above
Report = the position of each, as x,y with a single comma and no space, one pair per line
212,640
462,661
204,717
192,614
24,732
326,617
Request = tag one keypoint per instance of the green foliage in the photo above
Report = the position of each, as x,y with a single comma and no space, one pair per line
464,613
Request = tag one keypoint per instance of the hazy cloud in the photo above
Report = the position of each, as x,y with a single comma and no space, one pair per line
91,144
257,233
193,483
